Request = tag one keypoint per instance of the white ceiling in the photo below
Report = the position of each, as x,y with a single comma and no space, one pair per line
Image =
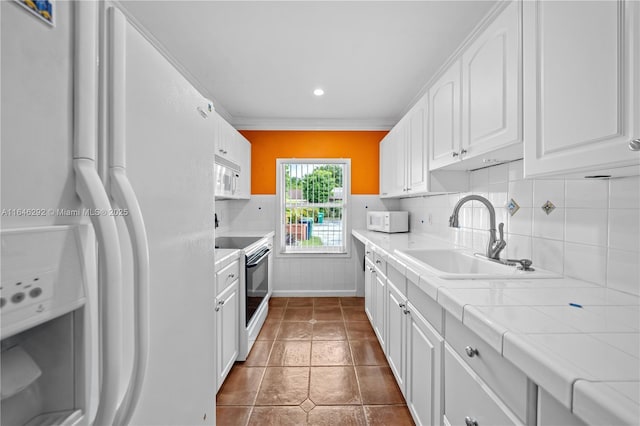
261,60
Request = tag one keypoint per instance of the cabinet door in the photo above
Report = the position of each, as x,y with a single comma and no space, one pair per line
582,86
227,330
243,149
424,348
392,163
387,166
416,149
379,311
491,89
396,304
369,279
444,100
467,396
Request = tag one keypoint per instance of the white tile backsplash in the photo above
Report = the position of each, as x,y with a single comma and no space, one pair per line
624,193
522,192
586,226
548,225
588,194
593,234
548,190
623,270
549,254
521,222
624,229
587,263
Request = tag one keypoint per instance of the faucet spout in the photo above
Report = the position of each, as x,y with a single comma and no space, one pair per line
495,245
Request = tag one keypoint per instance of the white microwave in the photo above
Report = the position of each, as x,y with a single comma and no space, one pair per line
388,221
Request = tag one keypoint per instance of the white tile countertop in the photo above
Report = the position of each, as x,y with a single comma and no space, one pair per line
586,356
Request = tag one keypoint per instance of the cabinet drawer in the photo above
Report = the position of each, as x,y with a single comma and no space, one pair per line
506,380
380,262
427,307
368,253
466,396
227,275
398,279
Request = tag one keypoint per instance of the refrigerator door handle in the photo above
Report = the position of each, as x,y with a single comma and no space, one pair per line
93,196
124,196
91,191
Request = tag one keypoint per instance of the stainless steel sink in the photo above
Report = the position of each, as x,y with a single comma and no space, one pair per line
459,264
235,242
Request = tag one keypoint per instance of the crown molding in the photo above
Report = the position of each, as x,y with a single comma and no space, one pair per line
254,123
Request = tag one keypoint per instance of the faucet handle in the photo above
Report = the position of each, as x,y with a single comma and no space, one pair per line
501,231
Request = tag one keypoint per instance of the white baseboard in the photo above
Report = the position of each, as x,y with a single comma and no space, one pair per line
314,293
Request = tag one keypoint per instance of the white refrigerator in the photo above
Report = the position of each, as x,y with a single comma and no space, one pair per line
132,137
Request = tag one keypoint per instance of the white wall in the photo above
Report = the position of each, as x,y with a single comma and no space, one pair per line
593,234
309,275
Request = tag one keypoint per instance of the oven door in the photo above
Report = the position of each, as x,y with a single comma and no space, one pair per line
257,281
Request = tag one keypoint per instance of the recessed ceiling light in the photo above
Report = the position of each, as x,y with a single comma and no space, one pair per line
318,92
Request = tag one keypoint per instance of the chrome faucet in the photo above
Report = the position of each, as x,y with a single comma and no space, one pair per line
495,246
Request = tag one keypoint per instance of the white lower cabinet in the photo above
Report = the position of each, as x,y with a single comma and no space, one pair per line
414,353
447,373
379,291
396,341
468,400
423,383
227,327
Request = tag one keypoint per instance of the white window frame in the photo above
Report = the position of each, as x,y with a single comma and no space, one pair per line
280,214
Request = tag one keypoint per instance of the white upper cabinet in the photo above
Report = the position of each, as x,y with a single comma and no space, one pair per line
444,99
491,91
582,87
393,162
232,147
386,165
476,105
404,159
243,148
416,149
403,155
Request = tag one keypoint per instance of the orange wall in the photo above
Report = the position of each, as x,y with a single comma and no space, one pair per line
362,147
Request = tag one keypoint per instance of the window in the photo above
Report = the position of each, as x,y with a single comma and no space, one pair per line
312,196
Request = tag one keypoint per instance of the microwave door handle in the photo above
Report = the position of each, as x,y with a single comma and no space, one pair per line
234,182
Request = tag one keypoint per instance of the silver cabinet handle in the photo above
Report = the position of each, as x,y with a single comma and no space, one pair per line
378,261
470,421
471,352
406,311
634,145
454,154
402,305
463,152
232,275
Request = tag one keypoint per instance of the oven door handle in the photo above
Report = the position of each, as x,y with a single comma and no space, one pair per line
257,262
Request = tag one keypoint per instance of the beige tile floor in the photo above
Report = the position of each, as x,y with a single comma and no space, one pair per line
316,362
